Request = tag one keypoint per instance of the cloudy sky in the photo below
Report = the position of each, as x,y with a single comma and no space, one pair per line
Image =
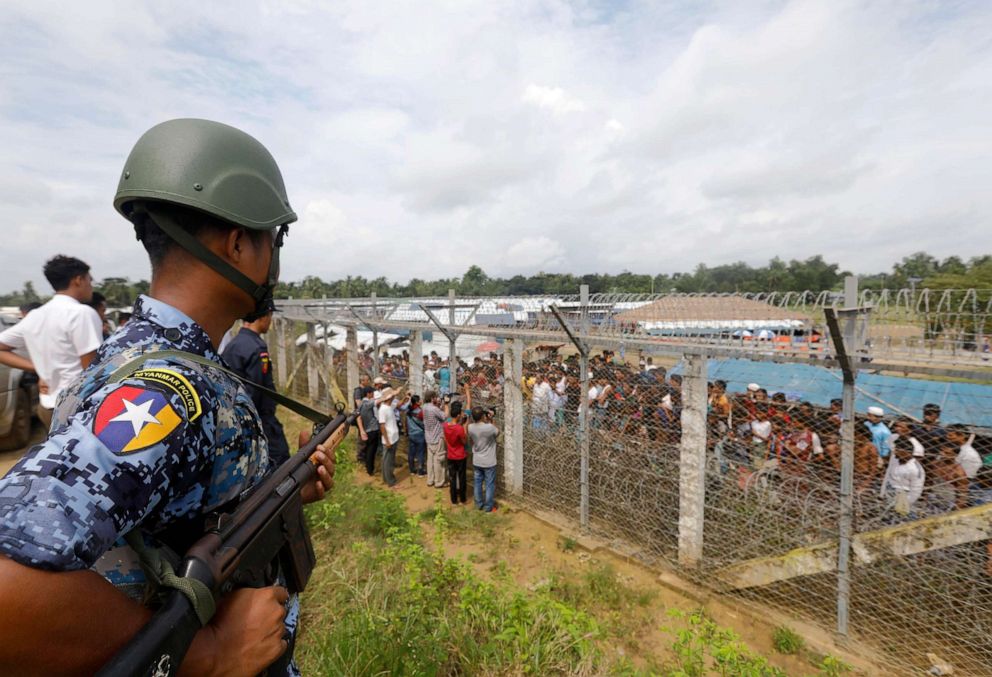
417,138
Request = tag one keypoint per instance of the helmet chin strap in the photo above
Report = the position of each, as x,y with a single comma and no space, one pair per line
261,294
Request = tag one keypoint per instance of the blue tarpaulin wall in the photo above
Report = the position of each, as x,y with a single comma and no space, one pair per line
969,403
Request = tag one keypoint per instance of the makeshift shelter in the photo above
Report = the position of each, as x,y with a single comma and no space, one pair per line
679,315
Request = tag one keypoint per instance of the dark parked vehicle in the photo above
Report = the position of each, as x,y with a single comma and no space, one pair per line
18,400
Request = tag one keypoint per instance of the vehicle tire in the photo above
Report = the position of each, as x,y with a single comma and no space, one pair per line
20,428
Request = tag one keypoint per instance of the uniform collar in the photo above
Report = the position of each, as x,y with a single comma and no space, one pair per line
178,327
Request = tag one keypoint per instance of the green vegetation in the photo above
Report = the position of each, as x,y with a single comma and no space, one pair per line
382,602
787,641
703,648
813,274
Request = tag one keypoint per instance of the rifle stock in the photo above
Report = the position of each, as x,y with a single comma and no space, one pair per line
236,551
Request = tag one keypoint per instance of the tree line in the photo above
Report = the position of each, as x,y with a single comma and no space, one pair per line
919,270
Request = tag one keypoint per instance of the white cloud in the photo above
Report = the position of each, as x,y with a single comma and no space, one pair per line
554,99
417,139
531,253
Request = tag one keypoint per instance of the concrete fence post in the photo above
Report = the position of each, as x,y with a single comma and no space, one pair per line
351,363
692,461
281,341
513,415
417,363
313,385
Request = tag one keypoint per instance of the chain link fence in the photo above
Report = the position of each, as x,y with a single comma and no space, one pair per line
706,433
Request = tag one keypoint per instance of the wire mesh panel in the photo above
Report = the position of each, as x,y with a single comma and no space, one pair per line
550,448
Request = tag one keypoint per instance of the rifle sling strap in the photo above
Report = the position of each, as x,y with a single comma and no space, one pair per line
161,574
133,365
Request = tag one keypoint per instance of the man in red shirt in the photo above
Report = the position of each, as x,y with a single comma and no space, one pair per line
454,436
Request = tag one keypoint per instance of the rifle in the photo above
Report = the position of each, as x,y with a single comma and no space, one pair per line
236,550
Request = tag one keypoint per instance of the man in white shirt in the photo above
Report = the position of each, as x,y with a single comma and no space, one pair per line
968,458
61,337
390,434
905,482
540,404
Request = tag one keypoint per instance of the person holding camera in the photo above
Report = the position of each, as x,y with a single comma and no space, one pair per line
434,418
483,434
455,436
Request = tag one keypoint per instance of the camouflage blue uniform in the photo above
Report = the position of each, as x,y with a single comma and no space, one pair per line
159,449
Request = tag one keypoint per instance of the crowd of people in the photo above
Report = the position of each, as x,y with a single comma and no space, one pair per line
911,466
443,429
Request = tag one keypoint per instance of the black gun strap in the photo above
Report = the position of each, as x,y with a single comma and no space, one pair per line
131,366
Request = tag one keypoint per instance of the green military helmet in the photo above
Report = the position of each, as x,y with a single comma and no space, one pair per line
208,166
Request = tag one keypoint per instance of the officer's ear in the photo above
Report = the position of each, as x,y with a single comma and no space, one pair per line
235,241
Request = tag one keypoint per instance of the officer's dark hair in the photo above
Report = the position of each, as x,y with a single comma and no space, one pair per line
157,242
477,414
368,390
60,270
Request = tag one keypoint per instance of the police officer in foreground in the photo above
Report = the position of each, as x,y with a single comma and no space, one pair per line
152,451
248,355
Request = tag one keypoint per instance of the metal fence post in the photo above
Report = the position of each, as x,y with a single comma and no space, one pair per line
351,362
845,527
513,415
584,412
452,359
416,384
375,340
692,461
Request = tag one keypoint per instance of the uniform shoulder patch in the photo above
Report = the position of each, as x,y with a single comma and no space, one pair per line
132,418
178,384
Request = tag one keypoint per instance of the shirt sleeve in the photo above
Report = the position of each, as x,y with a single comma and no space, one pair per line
87,330
107,470
13,336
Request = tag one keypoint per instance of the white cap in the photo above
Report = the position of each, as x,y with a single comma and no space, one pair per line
876,411
753,387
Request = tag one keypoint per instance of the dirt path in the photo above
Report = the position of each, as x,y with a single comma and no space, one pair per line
532,551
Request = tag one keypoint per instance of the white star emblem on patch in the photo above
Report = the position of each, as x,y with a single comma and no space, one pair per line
137,415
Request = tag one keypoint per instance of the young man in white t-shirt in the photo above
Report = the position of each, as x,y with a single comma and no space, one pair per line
61,337
390,432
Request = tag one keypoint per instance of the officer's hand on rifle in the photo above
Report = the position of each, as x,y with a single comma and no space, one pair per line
247,631
324,458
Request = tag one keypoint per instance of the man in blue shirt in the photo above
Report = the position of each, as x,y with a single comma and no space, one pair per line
880,432
444,379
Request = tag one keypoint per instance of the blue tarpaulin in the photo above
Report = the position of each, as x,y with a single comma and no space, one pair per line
969,403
